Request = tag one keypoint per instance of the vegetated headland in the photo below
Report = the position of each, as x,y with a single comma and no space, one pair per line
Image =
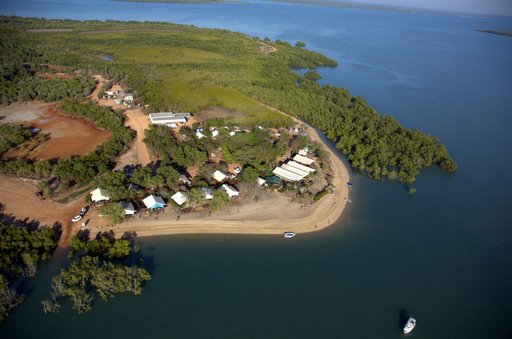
230,82
235,155
180,1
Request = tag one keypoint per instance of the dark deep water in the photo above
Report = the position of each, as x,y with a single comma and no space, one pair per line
443,255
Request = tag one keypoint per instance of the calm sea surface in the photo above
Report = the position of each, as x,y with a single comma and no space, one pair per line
443,255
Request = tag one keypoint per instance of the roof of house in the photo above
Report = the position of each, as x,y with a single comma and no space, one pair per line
153,200
168,117
128,207
261,181
200,135
179,198
287,175
208,193
295,170
303,160
300,166
230,190
99,195
219,175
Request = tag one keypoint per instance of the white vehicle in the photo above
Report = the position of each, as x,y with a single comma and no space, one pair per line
76,218
410,325
289,234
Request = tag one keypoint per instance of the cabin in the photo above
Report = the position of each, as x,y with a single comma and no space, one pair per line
128,207
230,190
99,195
153,202
208,193
179,198
261,181
219,176
200,135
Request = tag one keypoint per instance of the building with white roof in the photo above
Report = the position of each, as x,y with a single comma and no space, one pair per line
99,195
200,135
286,175
261,181
300,166
303,160
230,190
208,193
219,176
179,198
294,170
153,202
128,207
166,118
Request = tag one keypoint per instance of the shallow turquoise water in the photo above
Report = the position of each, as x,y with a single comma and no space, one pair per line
443,255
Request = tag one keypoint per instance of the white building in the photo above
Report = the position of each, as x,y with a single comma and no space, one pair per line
303,160
215,133
179,198
99,195
200,135
292,171
261,181
230,190
295,170
166,118
219,176
208,193
286,175
128,207
300,166
153,202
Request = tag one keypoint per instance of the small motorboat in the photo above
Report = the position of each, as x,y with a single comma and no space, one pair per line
409,326
349,184
289,234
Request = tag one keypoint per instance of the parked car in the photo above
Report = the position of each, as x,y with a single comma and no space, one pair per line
76,218
84,210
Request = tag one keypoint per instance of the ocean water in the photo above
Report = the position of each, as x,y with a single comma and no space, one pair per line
443,255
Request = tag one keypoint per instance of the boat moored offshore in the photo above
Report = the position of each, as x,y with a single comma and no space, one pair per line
409,326
289,234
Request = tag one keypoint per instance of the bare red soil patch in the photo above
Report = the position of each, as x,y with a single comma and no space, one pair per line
68,136
20,201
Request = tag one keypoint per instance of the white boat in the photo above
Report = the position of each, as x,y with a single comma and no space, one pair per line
289,234
410,325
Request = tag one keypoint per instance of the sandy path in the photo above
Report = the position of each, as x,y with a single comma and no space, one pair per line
138,153
275,214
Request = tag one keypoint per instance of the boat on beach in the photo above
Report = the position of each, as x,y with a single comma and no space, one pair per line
409,326
289,234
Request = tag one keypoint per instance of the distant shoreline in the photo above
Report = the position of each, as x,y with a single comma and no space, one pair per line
490,31
179,1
